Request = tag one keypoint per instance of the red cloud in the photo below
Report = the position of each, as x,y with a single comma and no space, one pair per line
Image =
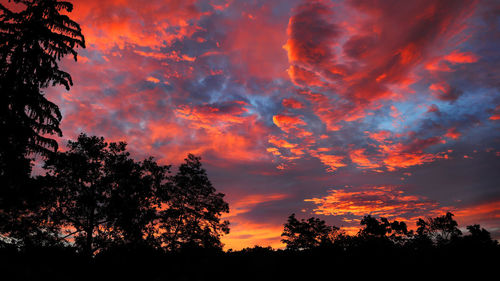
215,115
380,136
253,42
487,212
444,92
369,53
455,57
303,77
461,57
223,128
397,151
452,133
496,114
107,24
311,35
292,103
401,155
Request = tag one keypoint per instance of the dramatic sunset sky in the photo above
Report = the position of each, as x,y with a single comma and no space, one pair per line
334,109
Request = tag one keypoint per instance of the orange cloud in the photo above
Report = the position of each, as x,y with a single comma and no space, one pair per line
281,143
403,156
404,160
333,162
152,79
359,158
393,203
246,233
383,201
287,123
246,203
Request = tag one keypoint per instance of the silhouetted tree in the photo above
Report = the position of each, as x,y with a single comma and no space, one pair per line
192,210
32,41
98,195
374,227
479,236
100,198
383,228
307,234
135,199
440,229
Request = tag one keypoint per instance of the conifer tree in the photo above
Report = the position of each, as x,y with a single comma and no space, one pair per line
34,36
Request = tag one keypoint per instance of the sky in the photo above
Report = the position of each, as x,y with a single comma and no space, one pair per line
332,109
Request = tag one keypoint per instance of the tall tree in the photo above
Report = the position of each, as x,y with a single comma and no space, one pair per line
99,195
192,214
32,41
307,234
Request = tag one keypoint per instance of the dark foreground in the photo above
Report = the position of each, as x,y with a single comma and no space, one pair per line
364,260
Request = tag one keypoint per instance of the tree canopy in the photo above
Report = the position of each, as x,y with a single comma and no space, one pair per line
98,196
374,227
440,229
191,215
306,234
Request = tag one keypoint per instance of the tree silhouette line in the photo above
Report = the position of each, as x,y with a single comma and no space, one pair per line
97,213
430,232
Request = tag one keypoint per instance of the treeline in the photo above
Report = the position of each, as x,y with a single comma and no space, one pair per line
382,248
437,232
93,196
